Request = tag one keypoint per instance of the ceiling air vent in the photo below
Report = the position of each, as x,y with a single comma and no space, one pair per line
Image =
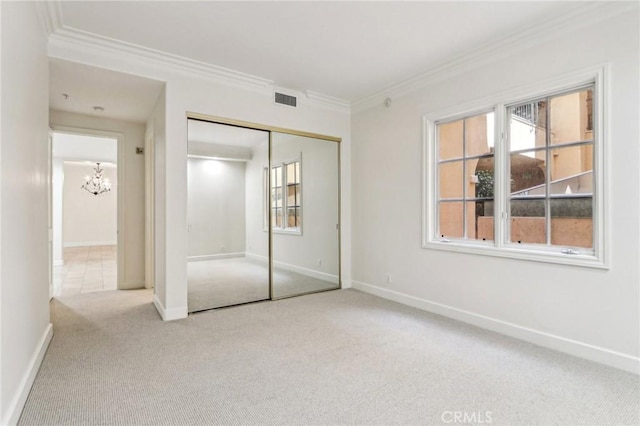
283,99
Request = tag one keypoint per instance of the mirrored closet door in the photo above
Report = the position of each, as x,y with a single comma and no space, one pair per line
228,242
304,214
263,213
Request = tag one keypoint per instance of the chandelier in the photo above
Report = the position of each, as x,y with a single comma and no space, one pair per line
96,184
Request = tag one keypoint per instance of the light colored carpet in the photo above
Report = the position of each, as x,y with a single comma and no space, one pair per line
226,282
338,357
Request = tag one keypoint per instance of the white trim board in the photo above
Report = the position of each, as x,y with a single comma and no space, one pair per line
298,269
90,244
205,257
171,313
17,404
551,341
132,285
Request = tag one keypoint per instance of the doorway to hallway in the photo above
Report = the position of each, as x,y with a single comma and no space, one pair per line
84,193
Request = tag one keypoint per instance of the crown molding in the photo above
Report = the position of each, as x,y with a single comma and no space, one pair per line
170,61
530,36
64,37
50,13
321,99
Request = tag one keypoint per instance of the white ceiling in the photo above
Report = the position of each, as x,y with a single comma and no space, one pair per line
84,148
123,96
343,49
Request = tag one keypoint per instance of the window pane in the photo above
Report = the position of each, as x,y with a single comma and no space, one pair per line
528,223
570,117
480,177
278,198
572,170
291,173
298,217
451,180
276,176
450,136
527,128
450,218
480,220
477,133
291,195
572,222
278,217
279,176
527,173
291,217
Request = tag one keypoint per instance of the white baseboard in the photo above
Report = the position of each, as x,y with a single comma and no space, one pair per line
551,341
257,257
17,404
214,256
308,272
132,285
298,269
90,244
58,263
169,314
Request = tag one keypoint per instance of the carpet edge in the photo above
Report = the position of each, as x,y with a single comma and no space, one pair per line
551,341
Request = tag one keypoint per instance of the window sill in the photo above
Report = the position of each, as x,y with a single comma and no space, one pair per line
529,253
297,231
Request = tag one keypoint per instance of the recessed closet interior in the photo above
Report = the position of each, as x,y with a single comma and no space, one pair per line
263,213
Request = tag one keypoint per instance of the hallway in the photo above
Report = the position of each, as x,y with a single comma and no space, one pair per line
85,270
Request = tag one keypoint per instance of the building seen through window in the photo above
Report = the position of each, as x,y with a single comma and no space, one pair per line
550,160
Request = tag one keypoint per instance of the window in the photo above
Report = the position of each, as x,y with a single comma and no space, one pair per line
520,179
551,171
286,194
465,177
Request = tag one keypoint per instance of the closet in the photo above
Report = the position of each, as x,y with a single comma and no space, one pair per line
263,213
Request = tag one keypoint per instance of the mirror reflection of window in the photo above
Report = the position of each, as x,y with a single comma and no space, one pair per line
286,214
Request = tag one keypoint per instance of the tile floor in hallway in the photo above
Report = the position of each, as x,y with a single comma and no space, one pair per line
85,270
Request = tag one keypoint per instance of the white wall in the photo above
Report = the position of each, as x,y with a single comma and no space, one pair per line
132,186
588,312
57,182
89,220
216,207
25,329
197,91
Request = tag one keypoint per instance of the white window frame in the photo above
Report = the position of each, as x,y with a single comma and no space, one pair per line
501,247
284,229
